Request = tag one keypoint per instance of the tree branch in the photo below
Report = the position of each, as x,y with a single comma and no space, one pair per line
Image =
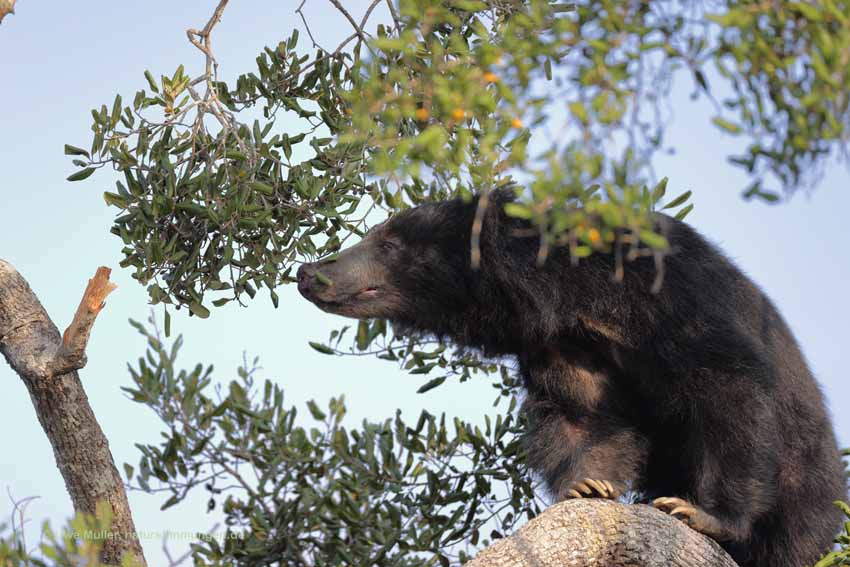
577,533
72,355
204,36
32,346
350,18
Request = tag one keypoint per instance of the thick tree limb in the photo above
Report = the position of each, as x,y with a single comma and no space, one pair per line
580,533
32,346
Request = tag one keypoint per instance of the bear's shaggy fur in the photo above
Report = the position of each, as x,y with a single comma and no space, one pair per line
698,392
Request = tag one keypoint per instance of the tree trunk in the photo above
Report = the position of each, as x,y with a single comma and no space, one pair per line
33,347
579,533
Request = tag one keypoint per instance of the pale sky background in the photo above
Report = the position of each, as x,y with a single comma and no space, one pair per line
60,59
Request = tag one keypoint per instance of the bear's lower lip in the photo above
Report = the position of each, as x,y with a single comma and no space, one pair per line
337,305
368,292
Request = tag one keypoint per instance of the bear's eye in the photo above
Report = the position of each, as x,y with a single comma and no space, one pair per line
388,245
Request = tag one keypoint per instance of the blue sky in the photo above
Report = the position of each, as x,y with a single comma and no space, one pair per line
60,59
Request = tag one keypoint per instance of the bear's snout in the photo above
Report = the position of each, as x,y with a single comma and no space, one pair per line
306,276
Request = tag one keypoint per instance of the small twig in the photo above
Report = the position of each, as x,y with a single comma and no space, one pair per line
210,103
19,509
658,257
368,13
300,12
204,35
348,17
394,15
183,558
477,223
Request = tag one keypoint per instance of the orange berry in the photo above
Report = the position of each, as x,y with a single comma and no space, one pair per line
593,235
516,123
491,77
458,114
421,114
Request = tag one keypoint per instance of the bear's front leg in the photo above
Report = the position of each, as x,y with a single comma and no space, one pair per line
579,437
596,455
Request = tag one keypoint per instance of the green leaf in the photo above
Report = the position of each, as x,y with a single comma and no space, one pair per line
82,174
151,81
199,310
684,212
678,200
659,190
324,349
699,77
172,500
261,187
315,411
469,5
725,125
518,210
75,151
115,200
431,384
363,335
811,13
653,240
579,111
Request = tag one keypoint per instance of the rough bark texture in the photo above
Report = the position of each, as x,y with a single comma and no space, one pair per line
602,533
33,347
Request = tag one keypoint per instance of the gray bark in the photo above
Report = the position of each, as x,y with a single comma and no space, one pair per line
33,347
585,532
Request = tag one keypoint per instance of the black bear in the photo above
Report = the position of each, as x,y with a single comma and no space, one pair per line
695,396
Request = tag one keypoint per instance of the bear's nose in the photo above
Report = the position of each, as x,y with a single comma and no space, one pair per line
303,273
304,277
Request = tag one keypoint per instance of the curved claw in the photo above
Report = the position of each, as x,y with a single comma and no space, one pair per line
693,516
592,488
667,503
598,486
687,511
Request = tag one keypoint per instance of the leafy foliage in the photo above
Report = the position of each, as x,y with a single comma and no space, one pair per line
419,356
456,96
311,491
78,545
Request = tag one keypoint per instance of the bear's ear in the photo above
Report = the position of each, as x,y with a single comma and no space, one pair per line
504,195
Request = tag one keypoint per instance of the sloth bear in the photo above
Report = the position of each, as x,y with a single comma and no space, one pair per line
695,396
